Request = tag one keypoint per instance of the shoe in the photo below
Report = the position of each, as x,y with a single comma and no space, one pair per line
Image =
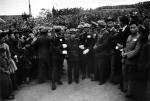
70,81
76,80
123,90
128,96
83,77
59,82
90,76
11,97
53,86
101,83
93,79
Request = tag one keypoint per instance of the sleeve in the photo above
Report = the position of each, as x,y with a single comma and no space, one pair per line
105,39
136,51
8,51
142,58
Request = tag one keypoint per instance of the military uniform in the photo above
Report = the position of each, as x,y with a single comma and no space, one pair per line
73,59
42,44
129,62
57,57
102,56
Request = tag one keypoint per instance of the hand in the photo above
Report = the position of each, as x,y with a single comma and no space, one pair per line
94,47
64,52
34,57
7,72
119,45
64,45
15,57
85,51
81,47
124,54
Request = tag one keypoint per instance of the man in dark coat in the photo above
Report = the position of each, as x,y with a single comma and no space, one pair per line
73,56
121,38
42,44
102,53
57,48
86,46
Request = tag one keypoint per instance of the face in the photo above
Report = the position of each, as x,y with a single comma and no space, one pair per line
110,24
86,29
2,40
133,28
12,36
73,35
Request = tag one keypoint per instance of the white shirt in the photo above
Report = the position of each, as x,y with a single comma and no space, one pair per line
124,28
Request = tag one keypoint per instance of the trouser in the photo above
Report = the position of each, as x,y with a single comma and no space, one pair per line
125,73
88,64
43,70
73,65
56,70
137,82
112,60
102,64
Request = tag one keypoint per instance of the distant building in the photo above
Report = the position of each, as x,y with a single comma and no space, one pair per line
10,17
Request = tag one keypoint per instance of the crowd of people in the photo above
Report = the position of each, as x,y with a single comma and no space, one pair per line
111,50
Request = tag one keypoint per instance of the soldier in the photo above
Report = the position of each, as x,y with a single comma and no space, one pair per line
130,56
57,48
113,31
102,53
42,44
86,45
73,56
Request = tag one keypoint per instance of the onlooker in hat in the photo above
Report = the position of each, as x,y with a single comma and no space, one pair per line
42,44
102,53
5,80
73,57
57,56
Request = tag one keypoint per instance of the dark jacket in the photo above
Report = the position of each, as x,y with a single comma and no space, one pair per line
56,47
42,44
122,36
73,49
103,44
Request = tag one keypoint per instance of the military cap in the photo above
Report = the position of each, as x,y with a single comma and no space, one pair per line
101,23
73,30
86,25
44,30
110,19
57,28
80,27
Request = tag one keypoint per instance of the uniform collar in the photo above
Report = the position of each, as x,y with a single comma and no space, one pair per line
124,28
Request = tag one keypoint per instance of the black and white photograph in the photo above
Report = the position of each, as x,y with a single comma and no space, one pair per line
74,50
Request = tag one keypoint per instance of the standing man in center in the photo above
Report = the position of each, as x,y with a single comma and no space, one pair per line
57,48
102,53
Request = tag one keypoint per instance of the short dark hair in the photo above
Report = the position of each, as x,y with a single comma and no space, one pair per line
133,22
124,20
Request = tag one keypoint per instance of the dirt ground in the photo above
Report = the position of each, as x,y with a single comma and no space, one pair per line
86,90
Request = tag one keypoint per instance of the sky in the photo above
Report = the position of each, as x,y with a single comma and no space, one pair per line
16,7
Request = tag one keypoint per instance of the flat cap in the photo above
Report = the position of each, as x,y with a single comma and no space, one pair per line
57,28
101,23
80,27
86,25
44,30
